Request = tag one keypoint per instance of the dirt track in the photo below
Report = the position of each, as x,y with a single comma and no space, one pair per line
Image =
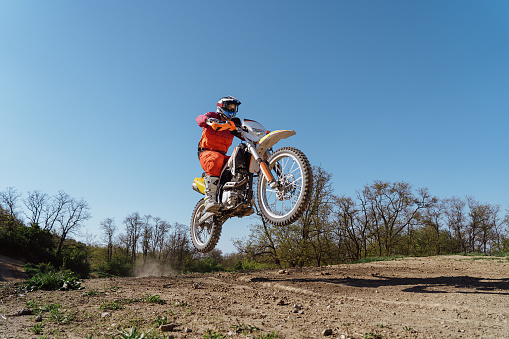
440,297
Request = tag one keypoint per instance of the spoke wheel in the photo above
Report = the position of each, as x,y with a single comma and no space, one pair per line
285,204
206,235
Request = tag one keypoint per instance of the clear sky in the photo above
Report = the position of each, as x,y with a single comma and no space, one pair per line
98,98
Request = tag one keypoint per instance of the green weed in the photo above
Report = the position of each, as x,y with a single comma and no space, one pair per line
243,328
153,299
36,329
133,333
213,335
112,305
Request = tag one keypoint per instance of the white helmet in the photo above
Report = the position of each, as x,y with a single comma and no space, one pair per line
228,106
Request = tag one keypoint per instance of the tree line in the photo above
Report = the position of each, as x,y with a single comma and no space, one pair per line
383,219
39,227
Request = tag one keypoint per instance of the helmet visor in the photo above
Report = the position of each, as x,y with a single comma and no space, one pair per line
230,107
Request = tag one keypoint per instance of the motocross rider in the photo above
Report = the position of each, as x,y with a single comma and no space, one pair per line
216,138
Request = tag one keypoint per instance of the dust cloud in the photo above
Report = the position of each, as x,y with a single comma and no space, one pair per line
153,269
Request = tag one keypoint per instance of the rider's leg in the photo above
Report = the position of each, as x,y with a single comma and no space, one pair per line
212,163
211,205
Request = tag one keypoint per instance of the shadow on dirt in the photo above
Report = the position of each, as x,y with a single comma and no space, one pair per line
463,284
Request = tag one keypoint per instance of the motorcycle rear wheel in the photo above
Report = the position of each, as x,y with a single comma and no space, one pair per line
285,204
206,235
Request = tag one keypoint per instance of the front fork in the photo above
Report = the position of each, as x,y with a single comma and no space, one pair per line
263,165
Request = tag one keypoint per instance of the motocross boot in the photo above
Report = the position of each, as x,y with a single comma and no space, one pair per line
211,205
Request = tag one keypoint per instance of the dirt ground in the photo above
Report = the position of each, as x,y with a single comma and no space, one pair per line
437,297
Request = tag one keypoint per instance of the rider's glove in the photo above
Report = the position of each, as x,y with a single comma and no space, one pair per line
220,125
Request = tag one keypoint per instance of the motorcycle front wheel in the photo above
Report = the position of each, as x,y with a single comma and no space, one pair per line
285,204
206,235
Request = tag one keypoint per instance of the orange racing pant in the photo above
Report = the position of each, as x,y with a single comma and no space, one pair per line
213,162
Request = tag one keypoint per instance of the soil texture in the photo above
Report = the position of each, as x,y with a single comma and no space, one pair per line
433,297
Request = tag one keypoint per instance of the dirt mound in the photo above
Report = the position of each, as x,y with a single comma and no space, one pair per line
11,269
453,297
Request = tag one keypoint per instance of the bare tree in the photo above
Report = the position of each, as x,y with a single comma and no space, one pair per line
178,245
482,226
35,203
455,218
350,231
9,201
393,208
160,229
53,210
70,219
109,228
133,224
146,240
432,217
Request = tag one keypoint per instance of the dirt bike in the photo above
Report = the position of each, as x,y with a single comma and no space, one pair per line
285,179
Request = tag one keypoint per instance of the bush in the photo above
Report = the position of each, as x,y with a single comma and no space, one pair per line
53,281
75,259
116,267
203,265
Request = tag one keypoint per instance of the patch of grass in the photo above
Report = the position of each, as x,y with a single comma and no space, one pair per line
475,254
213,335
271,335
502,254
53,281
408,329
62,317
112,305
92,293
372,335
133,333
243,328
38,308
36,329
153,299
160,321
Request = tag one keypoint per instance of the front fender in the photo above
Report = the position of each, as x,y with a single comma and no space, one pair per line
271,139
267,142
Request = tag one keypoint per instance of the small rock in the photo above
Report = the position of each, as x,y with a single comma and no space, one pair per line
282,272
280,302
188,330
167,327
25,311
38,319
196,285
105,314
327,332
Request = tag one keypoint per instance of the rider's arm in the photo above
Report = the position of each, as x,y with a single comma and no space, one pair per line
202,119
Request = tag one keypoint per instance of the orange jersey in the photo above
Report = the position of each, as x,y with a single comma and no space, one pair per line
212,140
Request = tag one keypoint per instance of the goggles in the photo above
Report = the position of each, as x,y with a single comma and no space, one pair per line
229,106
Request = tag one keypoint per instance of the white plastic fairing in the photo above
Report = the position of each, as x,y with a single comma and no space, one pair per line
255,130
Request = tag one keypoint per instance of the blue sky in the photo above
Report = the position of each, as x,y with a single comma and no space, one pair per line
98,98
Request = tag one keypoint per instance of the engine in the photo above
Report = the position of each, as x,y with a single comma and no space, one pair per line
231,198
